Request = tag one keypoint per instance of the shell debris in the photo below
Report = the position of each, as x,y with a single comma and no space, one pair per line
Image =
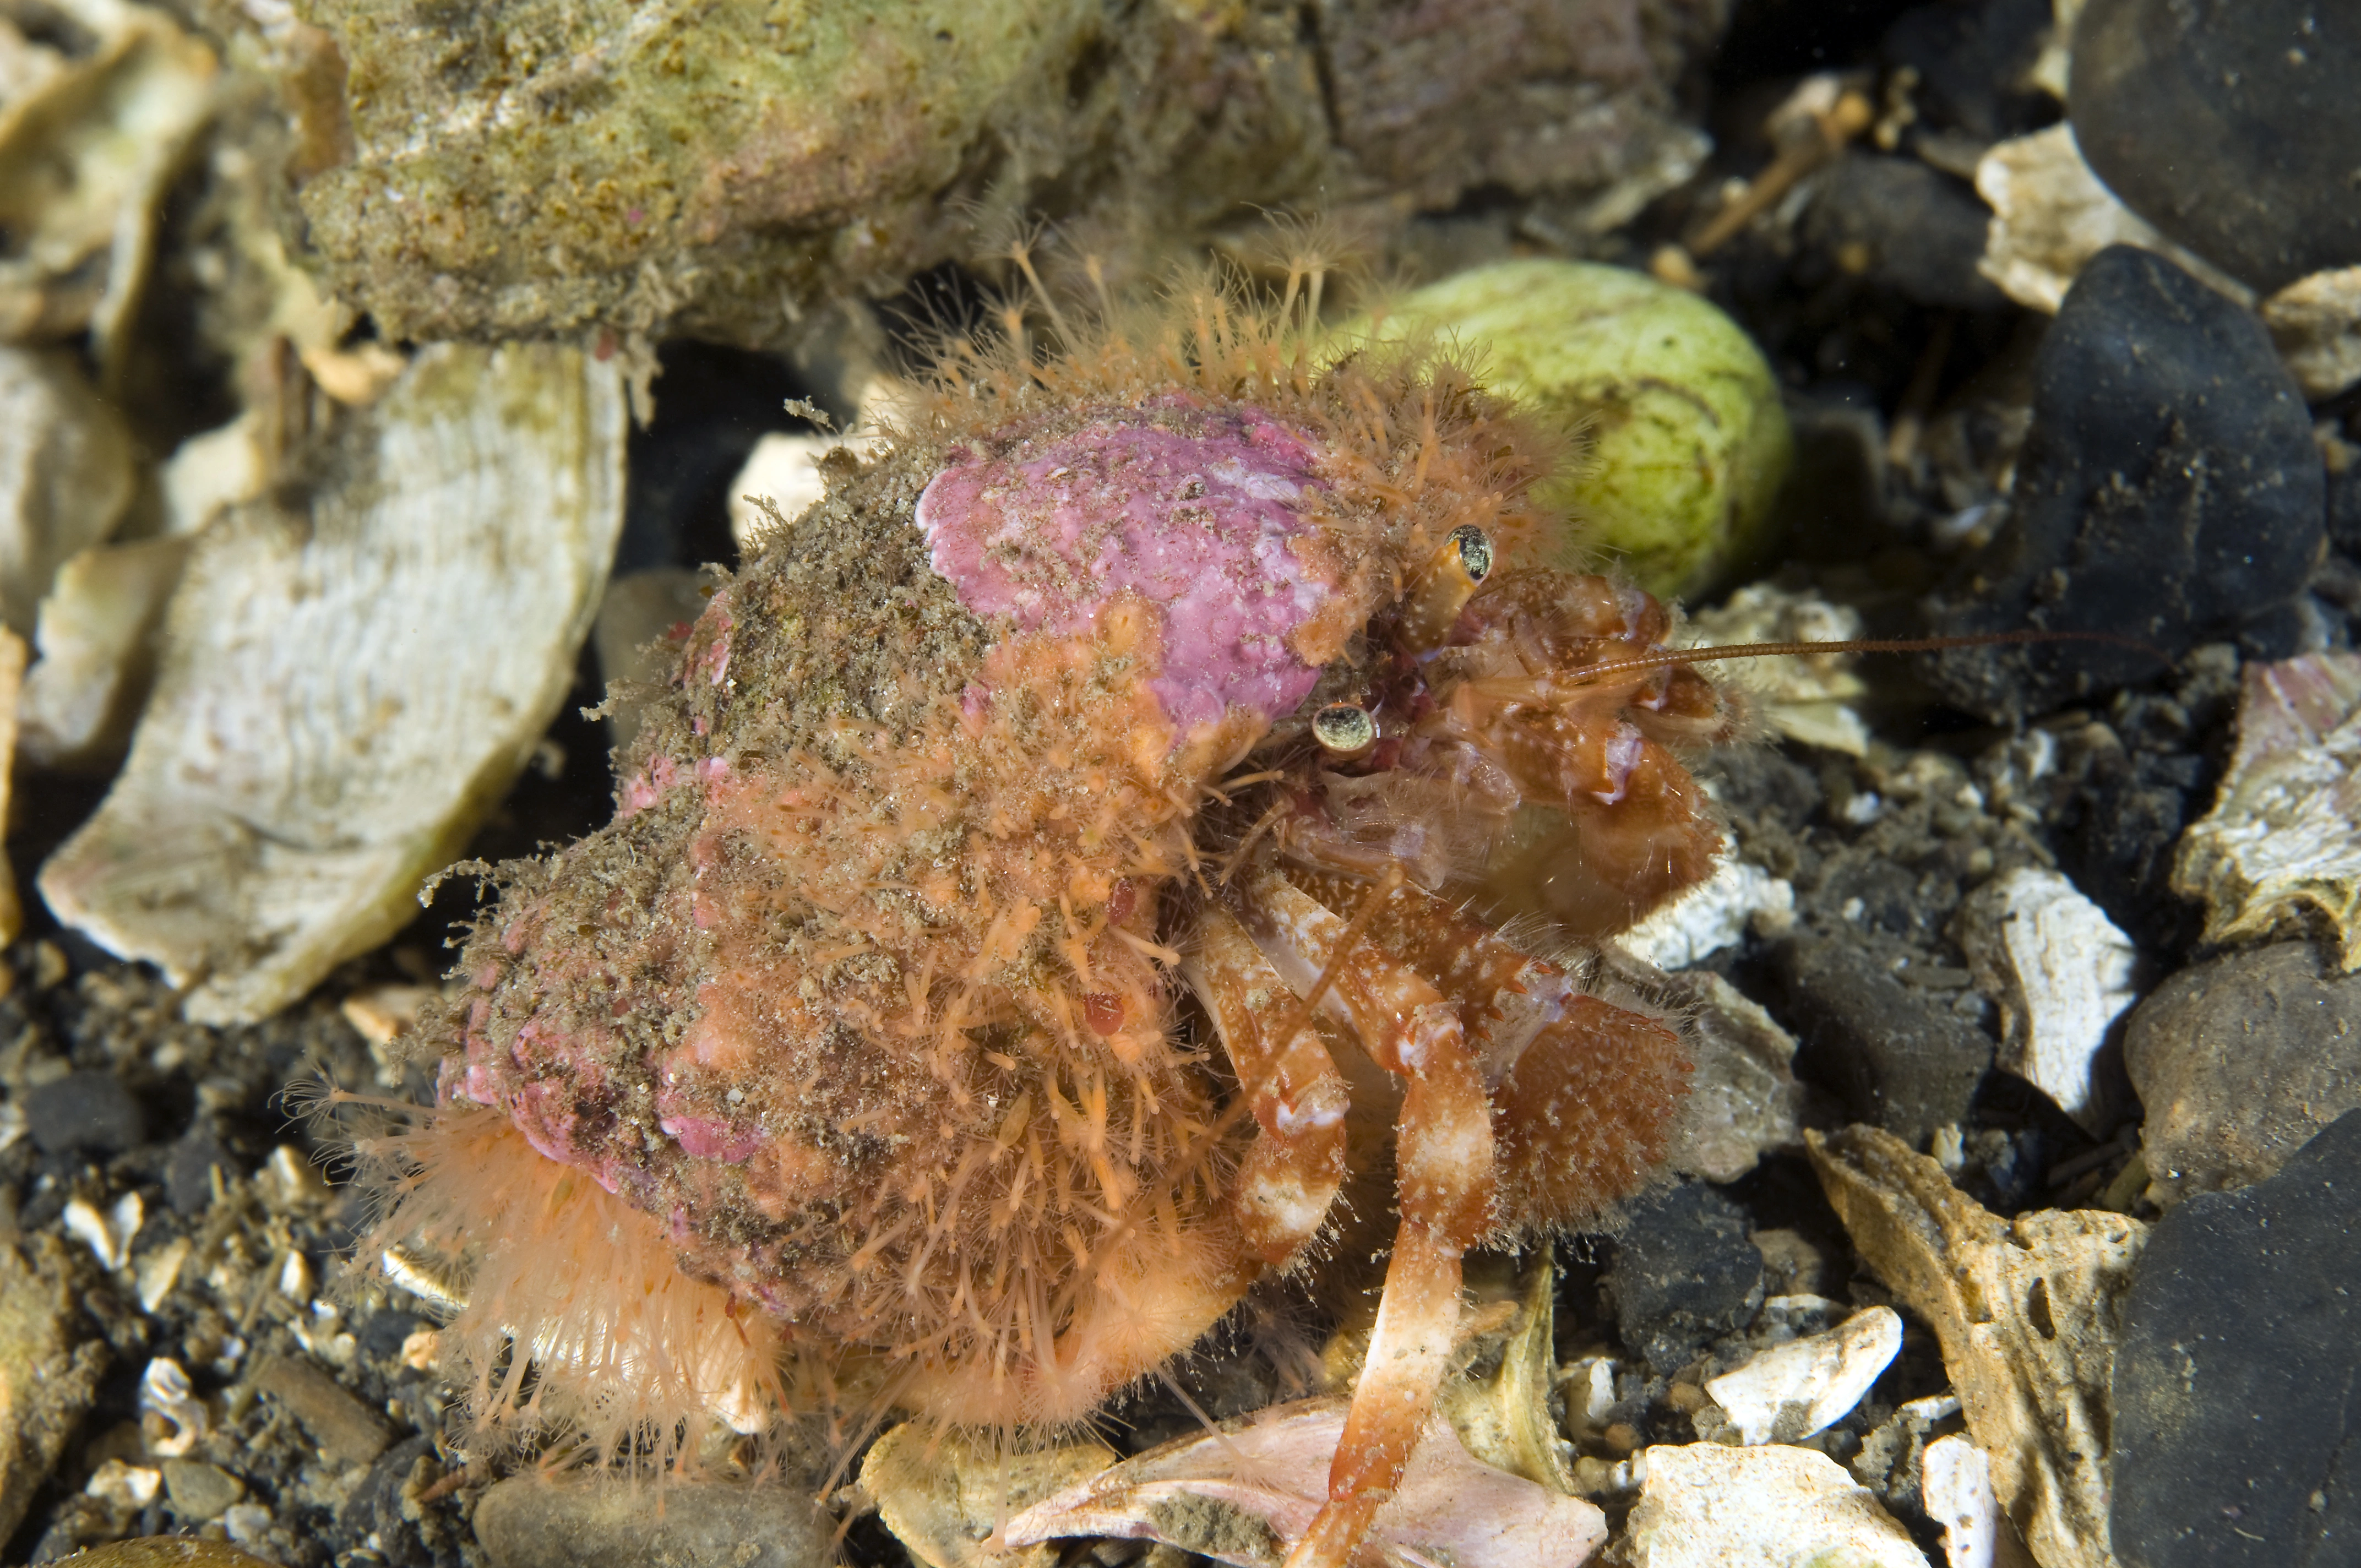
349,682
2280,852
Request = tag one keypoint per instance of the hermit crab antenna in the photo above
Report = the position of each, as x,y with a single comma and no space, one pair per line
1673,658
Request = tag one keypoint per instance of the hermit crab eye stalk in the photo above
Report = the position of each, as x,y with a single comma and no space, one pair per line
1450,579
1344,729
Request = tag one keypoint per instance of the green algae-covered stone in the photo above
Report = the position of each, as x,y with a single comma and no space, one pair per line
1686,442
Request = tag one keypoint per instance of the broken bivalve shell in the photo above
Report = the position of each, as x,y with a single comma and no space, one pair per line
1704,1506
66,475
89,141
2063,974
351,680
1248,1490
2025,1309
2280,851
1791,1391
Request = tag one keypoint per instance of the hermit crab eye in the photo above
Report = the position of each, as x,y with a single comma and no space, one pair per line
1344,729
1450,579
1474,547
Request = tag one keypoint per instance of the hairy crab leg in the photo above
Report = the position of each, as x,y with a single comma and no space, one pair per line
1586,1113
1444,1165
1291,1172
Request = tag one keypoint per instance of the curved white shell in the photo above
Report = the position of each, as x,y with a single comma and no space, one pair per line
348,684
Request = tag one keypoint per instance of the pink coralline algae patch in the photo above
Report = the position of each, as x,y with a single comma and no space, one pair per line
1196,515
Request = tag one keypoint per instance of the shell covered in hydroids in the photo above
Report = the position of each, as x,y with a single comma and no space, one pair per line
846,1052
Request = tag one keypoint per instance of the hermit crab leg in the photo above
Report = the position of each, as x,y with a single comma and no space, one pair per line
1290,1174
1443,1161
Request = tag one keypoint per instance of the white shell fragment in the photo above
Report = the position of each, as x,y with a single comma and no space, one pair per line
349,682
2062,974
12,676
1711,916
66,473
788,470
2315,323
2280,852
1246,1491
89,141
97,633
1705,1505
1744,1101
1955,1484
1808,698
1791,1391
2051,215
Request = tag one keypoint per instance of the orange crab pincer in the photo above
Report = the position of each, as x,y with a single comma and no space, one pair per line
962,1008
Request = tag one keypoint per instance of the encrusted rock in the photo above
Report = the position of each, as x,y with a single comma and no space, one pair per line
720,171
2237,1383
538,1522
2240,1061
2026,1311
48,1370
2280,852
2062,973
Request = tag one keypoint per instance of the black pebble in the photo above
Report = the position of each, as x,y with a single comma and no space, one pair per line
1685,1274
2345,509
2121,833
188,1174
86,1111
2169,491
1899,1058
375,1511
2238,1385
382,1337
1975,64
2231,125
1920,231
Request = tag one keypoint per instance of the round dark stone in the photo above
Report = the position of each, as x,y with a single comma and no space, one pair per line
2169,492
2231,125
1915,229
1685,1273
1898,1057
188,1173
1974,63
86,1111
2237,1384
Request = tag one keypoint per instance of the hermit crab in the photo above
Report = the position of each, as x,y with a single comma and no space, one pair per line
1167,758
